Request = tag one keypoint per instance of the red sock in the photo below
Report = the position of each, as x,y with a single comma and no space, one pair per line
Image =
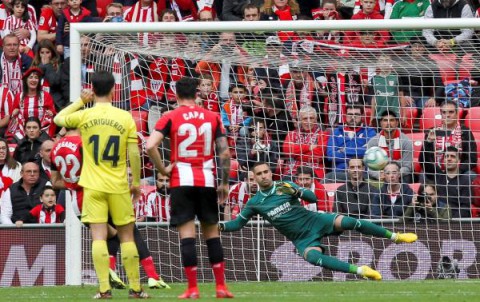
113,262
191,273
219,272
149,268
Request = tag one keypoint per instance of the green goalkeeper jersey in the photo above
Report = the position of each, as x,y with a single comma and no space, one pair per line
283,211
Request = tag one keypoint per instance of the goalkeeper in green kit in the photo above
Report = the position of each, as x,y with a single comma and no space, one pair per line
278,203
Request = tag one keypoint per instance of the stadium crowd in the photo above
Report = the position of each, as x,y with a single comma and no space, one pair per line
312,126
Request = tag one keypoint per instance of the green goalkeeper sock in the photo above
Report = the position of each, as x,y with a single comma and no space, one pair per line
316,257
366,227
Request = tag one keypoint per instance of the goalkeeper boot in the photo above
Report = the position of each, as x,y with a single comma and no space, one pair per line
105,295
190,293
369,273
222,292
137,295
406,238
115,281
153,283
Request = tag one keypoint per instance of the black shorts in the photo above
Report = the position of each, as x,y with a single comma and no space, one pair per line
188,202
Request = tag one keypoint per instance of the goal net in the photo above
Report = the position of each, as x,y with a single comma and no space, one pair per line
310,98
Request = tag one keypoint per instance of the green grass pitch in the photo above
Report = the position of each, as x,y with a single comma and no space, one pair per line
354,291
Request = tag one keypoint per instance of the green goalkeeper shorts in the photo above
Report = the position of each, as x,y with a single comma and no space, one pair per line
315,230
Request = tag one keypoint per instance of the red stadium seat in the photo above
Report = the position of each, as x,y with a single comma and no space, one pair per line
431,118
410,114
472,120
417,140
102,7
415,187
141,120
331,189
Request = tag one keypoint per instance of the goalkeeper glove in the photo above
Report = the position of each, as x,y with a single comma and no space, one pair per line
286,188
221,227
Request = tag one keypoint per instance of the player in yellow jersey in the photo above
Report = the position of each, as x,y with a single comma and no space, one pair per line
107,134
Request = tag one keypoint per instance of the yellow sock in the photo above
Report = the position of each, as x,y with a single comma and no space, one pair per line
131,263
101,263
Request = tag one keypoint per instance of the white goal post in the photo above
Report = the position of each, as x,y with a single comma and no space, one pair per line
73,249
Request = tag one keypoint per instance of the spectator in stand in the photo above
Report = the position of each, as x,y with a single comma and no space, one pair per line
450,133
238,196
346,142
408,9
382,6
385,85
168,15
418,81
157,203
306,145
44,161
206,97
6,103
114,13
13,63
234,116
306,179
47,212
205,15
257,145
237,10
328,11
446,40
394,196
451,184
22,196
224,74
355,197
20,19
34,102
427,205
301,91
278,120
186,10
273,49
254,42
281,10
47,25
398,146
73,13
28,147
10,168
49,61
368,12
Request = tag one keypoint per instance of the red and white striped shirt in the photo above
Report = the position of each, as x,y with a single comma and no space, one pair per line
12,23
237,198
35,105
157,206
7,100
137,13
43,216
192,131
322,198
4,13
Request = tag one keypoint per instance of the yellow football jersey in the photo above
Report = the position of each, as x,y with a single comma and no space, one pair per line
105,131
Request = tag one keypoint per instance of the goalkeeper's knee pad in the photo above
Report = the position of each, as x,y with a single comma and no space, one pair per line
188,251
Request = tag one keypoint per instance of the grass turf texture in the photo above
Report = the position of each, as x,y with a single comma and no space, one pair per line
355,291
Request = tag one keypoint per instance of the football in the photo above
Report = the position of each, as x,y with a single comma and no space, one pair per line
376,158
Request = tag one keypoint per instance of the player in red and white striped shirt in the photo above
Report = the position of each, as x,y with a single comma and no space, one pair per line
238,196
194,132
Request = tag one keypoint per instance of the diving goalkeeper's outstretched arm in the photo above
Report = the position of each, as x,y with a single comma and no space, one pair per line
239,222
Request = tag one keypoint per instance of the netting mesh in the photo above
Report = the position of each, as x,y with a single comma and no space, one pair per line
307,103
